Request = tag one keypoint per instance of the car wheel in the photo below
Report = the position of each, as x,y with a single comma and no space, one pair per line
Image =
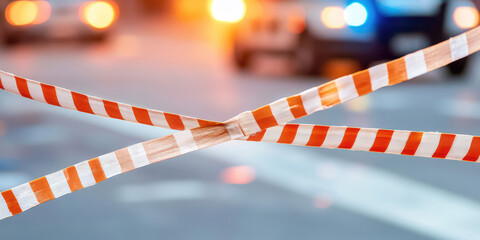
305,57
241,56
101,37
458,67
10,40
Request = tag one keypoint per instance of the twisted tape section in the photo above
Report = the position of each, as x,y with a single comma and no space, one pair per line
422,144
88,173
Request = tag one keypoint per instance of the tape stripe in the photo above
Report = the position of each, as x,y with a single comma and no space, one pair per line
85,174
349,138
264,117
25,196
379,76
42,190
256,137
23,87
58,184
412,143
9,83
458,47
36,91
303,135
4,211
72,178
296,106
397,71
319,133
110,165
346,88
97,170
438,55
444,146
362,81
329,94
81,103
124,160
1,85
174,121
65,99
288,134
365,139
50,94
11,202
474,150
415,64
142,116
382,140
311,100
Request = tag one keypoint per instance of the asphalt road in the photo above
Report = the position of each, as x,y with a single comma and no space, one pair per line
294,193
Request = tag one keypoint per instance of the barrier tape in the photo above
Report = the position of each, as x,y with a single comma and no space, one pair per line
422,144
202,133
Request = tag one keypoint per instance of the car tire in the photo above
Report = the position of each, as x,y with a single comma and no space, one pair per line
241,57
10,40
305,56
458,67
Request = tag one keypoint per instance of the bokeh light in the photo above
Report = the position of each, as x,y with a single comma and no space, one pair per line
355,14
466,17
21,13
99,15
296,23
228,10
238,175
332,17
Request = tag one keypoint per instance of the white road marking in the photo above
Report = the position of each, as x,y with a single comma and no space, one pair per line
162,191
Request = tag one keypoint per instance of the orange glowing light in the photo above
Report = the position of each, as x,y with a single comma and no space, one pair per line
466,17
21,13
228,10
333,17
99,15
238,175
296,23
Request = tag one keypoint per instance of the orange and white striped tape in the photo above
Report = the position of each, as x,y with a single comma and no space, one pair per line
422,144
201,133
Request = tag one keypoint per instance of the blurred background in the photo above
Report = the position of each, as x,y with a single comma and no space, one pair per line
214,59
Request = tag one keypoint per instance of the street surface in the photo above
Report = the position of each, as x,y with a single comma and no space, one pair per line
295,192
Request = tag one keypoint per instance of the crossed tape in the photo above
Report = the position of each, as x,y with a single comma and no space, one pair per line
263,124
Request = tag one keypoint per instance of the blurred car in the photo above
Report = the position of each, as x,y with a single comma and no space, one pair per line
312,32
56,19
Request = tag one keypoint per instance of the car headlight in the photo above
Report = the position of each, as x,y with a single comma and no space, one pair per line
353,15
99,14
21,13
332,17
228,10
466,17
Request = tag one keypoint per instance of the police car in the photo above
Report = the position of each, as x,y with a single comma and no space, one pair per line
312,32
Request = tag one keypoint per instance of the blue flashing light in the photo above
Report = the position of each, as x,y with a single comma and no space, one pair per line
355,14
